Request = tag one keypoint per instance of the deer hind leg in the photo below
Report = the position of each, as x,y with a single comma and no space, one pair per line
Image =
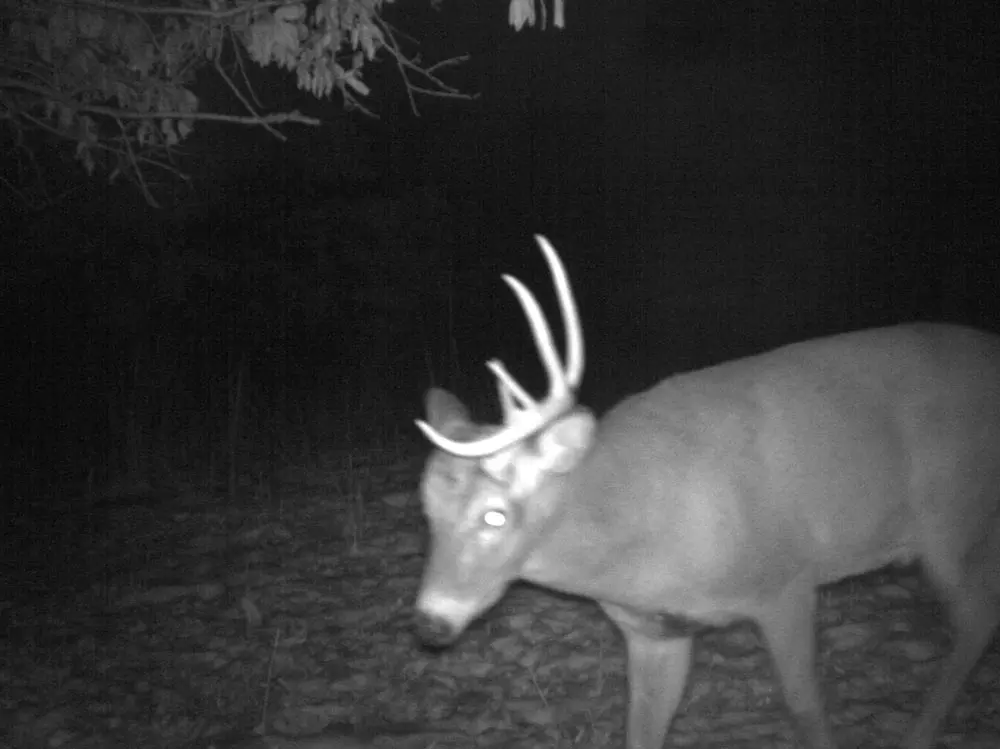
788,625
970,589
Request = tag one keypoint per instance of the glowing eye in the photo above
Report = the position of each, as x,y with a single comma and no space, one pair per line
495,519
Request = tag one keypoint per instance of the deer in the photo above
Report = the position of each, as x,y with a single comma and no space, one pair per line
726,494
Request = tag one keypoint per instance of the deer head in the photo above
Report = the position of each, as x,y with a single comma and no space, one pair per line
487,491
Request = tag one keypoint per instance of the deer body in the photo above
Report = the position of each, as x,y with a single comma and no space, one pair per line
732,493
828,458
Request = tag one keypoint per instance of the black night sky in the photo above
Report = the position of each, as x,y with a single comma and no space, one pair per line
720,178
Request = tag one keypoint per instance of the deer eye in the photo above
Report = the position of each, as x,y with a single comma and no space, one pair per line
495,518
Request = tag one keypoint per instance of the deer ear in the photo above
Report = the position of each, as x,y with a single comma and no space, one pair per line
566,441
446,413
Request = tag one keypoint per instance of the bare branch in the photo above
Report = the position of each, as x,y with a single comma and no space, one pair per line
124,114
246,104
159,10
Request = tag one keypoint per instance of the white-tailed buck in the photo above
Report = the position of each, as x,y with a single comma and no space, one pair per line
724,494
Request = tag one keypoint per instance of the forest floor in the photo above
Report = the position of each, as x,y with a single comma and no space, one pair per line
281,620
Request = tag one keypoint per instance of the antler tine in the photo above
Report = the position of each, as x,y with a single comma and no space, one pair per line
542,334
570,314
512,395
522,415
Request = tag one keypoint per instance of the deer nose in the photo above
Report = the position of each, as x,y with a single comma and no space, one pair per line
435,630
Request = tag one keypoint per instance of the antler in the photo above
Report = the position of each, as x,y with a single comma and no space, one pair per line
522,415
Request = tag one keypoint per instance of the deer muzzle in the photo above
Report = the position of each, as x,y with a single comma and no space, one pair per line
440,617
435,630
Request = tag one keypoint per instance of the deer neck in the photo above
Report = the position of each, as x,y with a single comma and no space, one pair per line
585,535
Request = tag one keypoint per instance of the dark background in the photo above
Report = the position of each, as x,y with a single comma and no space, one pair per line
719,178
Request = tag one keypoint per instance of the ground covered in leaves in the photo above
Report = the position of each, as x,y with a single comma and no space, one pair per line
282,619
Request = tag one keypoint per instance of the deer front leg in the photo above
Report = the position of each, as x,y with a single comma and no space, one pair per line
657,673
788,625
